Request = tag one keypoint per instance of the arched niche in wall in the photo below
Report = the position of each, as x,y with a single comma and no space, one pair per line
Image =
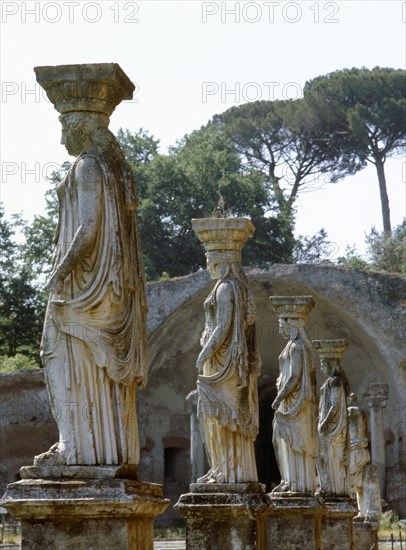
342,311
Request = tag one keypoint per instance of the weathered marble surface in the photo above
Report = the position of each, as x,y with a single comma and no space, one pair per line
333,458
294,522
337,525
196,443
94,346
85,514
365,535
295,422
229,362
79,472
227,488
371,496
377,397
359,454
228,516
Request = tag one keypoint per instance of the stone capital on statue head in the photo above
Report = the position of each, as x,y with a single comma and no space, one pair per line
292,307
331,349
94,87
223,234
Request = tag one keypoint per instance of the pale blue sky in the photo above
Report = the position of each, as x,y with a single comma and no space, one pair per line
187,57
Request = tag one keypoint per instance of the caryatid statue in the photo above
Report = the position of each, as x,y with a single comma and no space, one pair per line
94,345
333,460
359,453
229,362
295,421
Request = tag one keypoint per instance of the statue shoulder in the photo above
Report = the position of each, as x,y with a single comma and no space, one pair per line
336,382
88,169
296,347
88,159
224,291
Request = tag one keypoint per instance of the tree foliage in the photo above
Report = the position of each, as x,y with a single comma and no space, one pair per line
20,303
388,253
24,268
187,183
363,112
7,249
281,140
314,250
139,148
38,246
17,362
384,253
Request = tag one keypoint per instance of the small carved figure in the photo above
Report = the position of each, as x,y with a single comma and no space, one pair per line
94,340
359,454
295,422
333,459
229,362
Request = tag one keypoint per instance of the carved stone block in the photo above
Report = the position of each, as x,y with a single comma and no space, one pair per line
294,522
230,516
336,524
365,534
78,514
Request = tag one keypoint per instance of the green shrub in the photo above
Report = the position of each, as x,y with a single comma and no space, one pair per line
352,259
17,362
388,253
385,253
171,532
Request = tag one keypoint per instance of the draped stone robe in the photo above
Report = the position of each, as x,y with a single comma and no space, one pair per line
227,390
295,421
333,459
94,340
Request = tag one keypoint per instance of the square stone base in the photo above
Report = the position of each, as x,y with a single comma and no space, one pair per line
336,524
124,471
224,516
294,522
85,514
365,534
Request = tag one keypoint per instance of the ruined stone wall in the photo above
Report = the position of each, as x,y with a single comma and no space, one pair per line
27,427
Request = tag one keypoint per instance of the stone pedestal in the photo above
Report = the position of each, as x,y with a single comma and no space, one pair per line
224,516
294,522
365,535
336,524
85,514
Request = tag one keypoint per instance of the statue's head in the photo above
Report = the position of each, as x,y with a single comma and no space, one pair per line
213,265
291,327
284,328
330,365
86,95
330,352
221,264
292,312
223,239
79,129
